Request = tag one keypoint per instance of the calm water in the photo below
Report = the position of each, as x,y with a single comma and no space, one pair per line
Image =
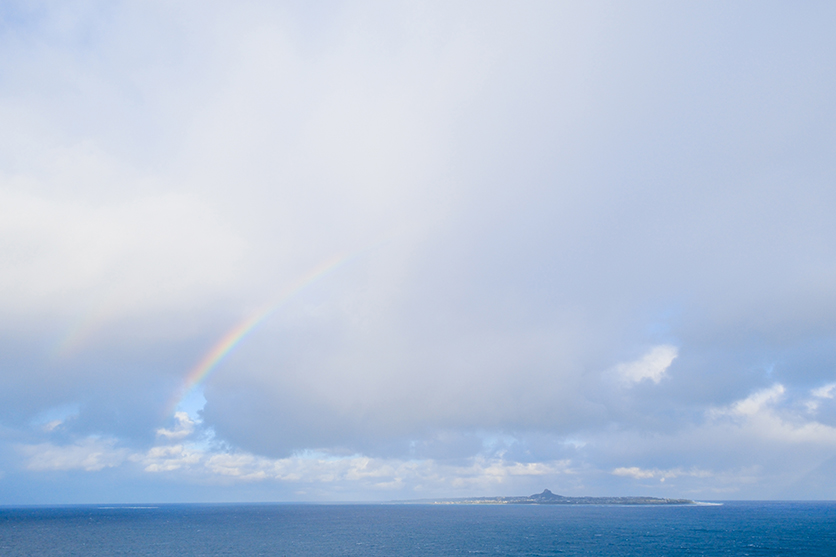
750,528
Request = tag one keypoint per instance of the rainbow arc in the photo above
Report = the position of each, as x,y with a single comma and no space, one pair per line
234,336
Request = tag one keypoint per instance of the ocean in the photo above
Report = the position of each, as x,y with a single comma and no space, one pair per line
734,528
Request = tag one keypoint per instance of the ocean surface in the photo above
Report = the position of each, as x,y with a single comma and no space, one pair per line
734,528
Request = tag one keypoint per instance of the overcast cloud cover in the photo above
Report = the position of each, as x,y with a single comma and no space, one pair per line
583,246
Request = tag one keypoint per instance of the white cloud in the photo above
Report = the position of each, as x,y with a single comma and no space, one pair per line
378,473
757,402
644,473
825,391
634,472
91,454
193,463
695,481
652,366
168,458
49,426
184,428
761,415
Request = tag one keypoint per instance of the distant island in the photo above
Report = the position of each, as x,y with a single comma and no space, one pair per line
549,498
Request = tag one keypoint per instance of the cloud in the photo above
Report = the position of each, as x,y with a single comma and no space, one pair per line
819,394
641,474
168,458
756,403
152,252
90,454
760,415
196,462
185,427
653,365
825,391
526,194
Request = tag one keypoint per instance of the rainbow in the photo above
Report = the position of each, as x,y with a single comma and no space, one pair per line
83,328
234,336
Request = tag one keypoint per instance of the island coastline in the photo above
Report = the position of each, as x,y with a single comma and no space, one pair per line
549,498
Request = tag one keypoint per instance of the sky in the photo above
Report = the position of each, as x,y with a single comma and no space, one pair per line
373,251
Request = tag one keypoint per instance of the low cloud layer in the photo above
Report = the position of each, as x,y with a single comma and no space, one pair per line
583,247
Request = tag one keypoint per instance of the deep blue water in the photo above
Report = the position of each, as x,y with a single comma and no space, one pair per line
736,528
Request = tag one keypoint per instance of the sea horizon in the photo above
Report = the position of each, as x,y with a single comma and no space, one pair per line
377,529
428,501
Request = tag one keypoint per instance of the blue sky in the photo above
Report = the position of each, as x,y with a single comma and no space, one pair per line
580,246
